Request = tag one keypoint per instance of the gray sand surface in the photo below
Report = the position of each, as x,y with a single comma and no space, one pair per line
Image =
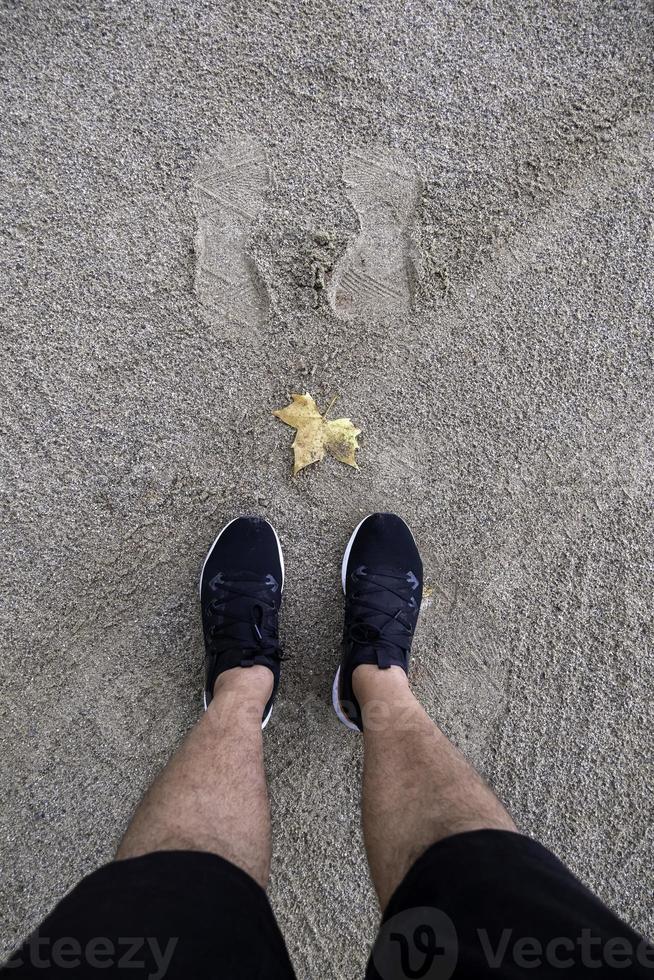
505,414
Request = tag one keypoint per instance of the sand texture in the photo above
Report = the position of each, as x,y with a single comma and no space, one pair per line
443,213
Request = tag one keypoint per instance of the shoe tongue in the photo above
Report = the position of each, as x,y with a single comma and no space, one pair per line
366,632
373,647
381,655
371,626
238,635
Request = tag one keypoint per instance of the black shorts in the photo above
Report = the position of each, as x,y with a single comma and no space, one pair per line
483,904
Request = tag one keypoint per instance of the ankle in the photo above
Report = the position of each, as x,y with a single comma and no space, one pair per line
388,706
254,683
369,682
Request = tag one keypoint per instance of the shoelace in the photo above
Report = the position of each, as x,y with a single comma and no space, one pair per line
225,634
393,633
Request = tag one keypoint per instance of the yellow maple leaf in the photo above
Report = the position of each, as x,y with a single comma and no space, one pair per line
315,435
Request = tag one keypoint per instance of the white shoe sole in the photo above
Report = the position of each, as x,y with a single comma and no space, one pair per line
281,562
336,704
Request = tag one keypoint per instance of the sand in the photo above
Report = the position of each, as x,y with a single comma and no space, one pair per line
485,319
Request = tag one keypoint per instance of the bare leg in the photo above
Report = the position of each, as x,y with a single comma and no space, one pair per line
417,788
212,795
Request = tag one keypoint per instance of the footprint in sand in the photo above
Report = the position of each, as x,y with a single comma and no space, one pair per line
228,191
376,274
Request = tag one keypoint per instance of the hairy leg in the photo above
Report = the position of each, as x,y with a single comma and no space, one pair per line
417,787
212,795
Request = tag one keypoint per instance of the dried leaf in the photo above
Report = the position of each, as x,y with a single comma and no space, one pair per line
315,435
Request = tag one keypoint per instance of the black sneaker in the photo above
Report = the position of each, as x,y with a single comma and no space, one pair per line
240,594
382,582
